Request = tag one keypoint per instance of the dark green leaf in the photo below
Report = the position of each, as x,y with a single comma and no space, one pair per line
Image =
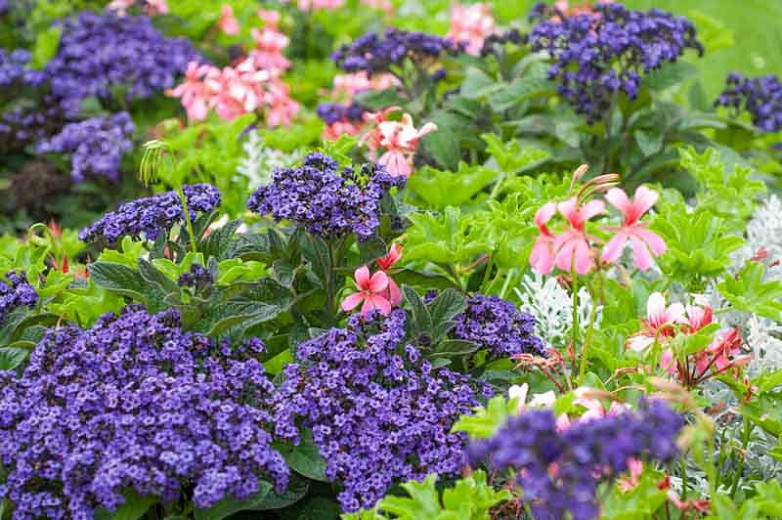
216,243
305,459
228,506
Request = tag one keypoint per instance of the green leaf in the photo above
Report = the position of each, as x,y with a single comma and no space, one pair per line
305,459
477,84
421,317
442,310
228,506
379,99
118,278
12,357
452,348
296,490
135,507
46,44
441,188
748,292
485,421
216,243
649,142
669,75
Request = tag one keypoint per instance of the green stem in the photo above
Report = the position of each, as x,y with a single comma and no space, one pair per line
487,275
188,222
587,341
746,435
508,277
496,190
574,287
683,464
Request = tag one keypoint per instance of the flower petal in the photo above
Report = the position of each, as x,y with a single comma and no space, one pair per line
362,277
614,247
644,200
618,199
641,255
352,301
378,283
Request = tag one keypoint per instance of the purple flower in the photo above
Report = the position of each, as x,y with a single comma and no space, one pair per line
134,403
198,278
378,411
586,454
761,97
96,145
599,54
375,54
15,292
497,325
331,112
151,215
102,54
327,202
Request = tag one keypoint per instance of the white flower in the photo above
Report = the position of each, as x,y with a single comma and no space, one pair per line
552,307
764,232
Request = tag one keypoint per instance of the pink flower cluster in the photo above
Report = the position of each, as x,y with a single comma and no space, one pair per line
378,291
313,5
574,248
664,324
399,139
228,23
471,25
346,86
151,7
253,85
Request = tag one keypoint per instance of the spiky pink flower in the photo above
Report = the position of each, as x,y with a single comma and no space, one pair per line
661,321
385,263
399,139
372,291
541,258
572,245
645,243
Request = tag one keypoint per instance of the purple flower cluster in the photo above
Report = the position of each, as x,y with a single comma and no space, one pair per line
198,278
374,53
602,53
15,292
15,72
379,413
134,403
150,216
497,325
96,145
331,112
761,97
100,54
560,471
324,200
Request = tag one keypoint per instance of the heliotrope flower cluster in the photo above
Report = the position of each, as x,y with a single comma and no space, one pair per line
374,54
15,292
603,52
198,278
134,403
324,200
14,69
332,112
150,216
96,145
101,54
560,471
497,325
761,97
379,413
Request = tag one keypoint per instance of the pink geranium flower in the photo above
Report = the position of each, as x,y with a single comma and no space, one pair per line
372,292
542,256
306,5
572,246
193,92
270,43
471,25
399,139
661,321
385,263
228,22
645,243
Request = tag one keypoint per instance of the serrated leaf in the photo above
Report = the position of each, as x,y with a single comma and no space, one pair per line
443,309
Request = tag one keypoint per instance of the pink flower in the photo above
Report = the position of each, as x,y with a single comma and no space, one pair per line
660,322
721,354
120,7
542,256
228,22
281,108
645,243
154,7
193,92
269,44
385,5
470,25
372,291
572,246
333,131
399,139
352,84
631,481
385,263
306,5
